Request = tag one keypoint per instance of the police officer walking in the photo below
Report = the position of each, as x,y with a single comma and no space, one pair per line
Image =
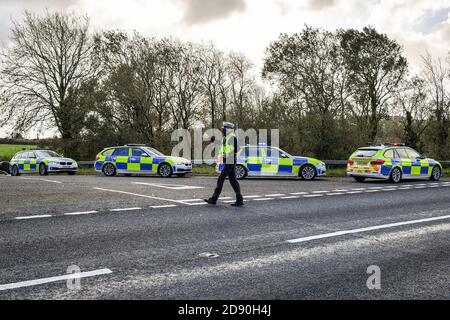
228,152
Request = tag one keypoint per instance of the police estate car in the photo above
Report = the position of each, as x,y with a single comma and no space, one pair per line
42,161
263,160
392,162
140,159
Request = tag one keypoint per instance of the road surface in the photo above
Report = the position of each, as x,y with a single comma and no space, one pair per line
154,238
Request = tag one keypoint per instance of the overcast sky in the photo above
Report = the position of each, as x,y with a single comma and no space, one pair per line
249,26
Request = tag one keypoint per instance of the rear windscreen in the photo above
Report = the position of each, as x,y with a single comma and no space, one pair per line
365,153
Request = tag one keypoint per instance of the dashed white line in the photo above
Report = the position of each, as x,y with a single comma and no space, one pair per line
263,199
252,197
79,213
126,209
34,217
379,227
335,194
320,191
354,192
275,195
291,197
313,195
299,193
36,282
164,206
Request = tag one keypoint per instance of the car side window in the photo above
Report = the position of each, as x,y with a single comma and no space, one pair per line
402,153
31,155
252,152
138,153
389,154
413,154
108,152
121,152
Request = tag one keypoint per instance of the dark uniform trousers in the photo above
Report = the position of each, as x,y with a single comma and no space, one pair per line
228,171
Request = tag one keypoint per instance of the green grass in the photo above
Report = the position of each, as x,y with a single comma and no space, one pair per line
337,172
7,151
203,169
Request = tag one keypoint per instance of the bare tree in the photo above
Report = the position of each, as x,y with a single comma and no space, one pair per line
438,80
42,72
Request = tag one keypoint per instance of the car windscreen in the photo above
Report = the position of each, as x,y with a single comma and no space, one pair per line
365,153
46,154
153,151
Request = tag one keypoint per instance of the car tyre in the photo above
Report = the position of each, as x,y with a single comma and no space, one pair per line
109,170
43,169
15,171
165,170
396,175
436,174
308,172
241,172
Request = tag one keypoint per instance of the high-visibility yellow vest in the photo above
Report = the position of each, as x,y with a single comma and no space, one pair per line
228,146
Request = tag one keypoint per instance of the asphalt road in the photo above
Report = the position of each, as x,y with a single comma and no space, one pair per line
153,238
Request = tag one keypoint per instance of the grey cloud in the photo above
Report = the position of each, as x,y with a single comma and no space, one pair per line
320,4
202,11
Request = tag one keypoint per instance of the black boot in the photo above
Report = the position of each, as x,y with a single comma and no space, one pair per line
239,202
210,201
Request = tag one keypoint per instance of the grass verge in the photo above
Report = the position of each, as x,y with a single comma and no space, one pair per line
7,151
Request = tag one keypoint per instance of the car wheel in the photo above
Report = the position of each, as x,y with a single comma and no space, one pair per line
308,172
165,170
436,174
241,172
43,169
359,179
15,171
109,170
396,175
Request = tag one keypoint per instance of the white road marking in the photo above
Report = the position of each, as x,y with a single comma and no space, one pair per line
168,186
299,193
36,282
358,189
164,206
140,195
34,217
371,191
229,201
375,188
252,197
79,213
291,197
354,192
198,204
360,230
263,199
39,179
313,195
275,195
340,190
126,209
335,194
195,200
320,191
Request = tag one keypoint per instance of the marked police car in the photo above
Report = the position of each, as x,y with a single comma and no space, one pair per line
262,160
393,162
42,161
139,159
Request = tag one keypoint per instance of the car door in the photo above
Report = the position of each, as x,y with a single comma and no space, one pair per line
33,161
270,161
120,159
406,163
253,160
420,166
140,161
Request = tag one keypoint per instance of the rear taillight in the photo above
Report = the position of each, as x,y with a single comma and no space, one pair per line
351,162
97,158
377,162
